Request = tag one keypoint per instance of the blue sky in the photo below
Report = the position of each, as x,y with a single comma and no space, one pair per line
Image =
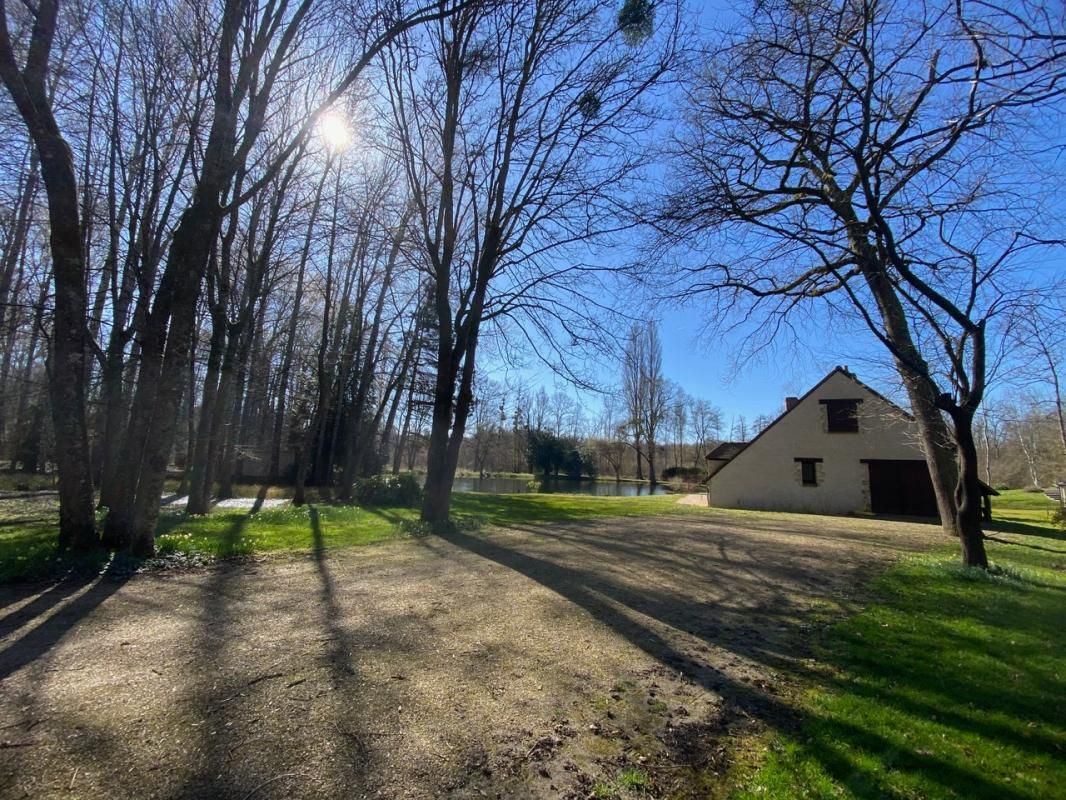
707,366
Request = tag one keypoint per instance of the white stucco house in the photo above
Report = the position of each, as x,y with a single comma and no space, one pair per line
841,448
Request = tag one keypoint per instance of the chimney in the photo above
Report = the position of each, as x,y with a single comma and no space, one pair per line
791,403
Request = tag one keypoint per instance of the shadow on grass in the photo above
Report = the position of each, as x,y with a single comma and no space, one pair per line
592,570
390,515
1011,543
842,748
503,509
916,697
1026,529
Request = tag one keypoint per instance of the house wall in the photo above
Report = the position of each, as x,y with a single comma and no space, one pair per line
766,476
715,464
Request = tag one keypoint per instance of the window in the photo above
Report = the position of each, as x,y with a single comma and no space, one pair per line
808,471
842,415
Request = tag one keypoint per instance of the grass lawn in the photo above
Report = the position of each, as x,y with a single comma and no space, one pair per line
949,684
25,482
952,684
28,527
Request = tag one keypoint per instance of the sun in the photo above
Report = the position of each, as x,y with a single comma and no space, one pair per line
334,130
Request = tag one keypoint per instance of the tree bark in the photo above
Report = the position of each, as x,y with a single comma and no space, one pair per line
204,454
167,341
968,492
68,360
913,370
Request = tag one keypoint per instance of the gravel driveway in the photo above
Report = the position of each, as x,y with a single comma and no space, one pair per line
529,662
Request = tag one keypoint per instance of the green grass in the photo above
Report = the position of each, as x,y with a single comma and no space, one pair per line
634,778
514,509
630,782
225,533
24,481
28,527
951,685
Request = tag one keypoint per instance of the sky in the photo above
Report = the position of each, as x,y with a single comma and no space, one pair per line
707,366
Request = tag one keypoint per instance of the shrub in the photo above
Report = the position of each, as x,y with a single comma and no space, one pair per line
686,474
388,490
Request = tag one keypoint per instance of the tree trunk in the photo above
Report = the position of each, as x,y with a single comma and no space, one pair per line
25,375
10,266
436,498
298,498
1029,451
914,372
190,426
937,443
204,455
167,341
1060,413
397,455
165,353
290,337
968,493
68,367
986,446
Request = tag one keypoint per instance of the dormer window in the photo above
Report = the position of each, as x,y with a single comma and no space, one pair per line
842,416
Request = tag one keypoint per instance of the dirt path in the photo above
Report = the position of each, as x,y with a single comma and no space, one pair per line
520,663
692,500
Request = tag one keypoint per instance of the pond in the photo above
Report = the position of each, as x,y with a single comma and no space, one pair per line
495,485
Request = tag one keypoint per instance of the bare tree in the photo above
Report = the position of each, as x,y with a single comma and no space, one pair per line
761,423
679,423
647,391
610,444
857,148
27,84
988,434
1023,426
706,427
739,430
1036,334
514,124
251,58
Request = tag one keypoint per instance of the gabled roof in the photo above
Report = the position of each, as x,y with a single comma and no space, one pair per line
729,450
843,371
725,451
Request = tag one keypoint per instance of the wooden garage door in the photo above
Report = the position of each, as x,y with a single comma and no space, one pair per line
901,487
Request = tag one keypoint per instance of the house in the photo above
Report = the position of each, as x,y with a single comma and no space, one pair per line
722,455
841,448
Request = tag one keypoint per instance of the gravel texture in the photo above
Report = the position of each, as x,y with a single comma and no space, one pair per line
539,661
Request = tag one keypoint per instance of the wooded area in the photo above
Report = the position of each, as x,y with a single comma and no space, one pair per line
269,240
259,260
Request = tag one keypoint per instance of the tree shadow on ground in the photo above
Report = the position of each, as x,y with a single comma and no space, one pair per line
1025,529
1028,545
242,753
260,498
663,623
75,597
212,776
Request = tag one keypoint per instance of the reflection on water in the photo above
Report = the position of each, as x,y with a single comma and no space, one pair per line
555,485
